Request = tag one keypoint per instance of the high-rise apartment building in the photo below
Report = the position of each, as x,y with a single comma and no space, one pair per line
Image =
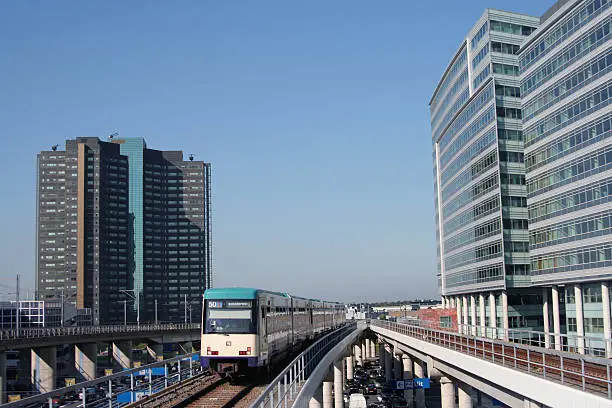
566,89
479,178
121,224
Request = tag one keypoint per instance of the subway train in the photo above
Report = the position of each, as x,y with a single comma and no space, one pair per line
246,329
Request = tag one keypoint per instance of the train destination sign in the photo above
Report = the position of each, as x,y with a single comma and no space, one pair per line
229,304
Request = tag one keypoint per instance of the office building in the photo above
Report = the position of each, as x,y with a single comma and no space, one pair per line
479,179
566,87
123,230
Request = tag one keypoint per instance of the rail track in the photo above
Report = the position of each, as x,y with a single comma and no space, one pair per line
227,395
207,390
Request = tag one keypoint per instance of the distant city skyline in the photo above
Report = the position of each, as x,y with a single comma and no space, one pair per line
315,117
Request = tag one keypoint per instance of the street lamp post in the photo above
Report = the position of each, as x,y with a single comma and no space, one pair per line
185,309
134,296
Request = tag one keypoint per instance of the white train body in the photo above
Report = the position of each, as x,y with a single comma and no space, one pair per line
244,327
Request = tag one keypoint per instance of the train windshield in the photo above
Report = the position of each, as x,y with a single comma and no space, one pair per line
229,317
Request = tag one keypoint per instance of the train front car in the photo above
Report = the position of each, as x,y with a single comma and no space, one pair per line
229,330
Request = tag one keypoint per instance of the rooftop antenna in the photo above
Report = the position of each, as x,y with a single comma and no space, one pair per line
54,147
112,135
190,157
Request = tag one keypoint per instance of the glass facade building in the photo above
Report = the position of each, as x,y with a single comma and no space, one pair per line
479,177
117,219
566,88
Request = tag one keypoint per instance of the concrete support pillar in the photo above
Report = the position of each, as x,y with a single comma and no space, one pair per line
316,401
605,298
483,315
3,391
156,351
86,360
473,323
492,316
556,317
504,299
579,318
453,301
464,313
459,317
419,372
349,368
343,370
24,368
364,351
328,398
366,343
546,318
44,360
357,354
373,348
465,396
447,393
338,385
66,363
388,364
398,369
122,353
407,375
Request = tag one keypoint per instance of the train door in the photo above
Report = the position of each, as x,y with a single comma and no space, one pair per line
292,318
263,329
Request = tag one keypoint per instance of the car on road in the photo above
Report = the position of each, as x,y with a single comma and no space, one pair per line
357,401
371,389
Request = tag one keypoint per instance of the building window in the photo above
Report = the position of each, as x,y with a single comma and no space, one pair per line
571,324
593,324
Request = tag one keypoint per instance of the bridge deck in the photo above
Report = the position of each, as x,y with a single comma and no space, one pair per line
590,374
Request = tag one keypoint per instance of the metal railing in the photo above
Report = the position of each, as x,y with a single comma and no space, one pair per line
286,386
30,333
571,343
132,384
590,374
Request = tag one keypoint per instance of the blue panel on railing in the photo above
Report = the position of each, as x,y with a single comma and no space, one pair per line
155,371
126,397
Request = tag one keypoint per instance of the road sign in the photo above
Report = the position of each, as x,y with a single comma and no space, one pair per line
421,383
416,383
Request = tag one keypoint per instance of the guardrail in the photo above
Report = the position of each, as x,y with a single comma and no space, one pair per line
29,333
148,384
283,389
572,343
590,374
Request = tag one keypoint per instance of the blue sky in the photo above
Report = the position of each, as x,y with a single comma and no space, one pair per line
313,114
